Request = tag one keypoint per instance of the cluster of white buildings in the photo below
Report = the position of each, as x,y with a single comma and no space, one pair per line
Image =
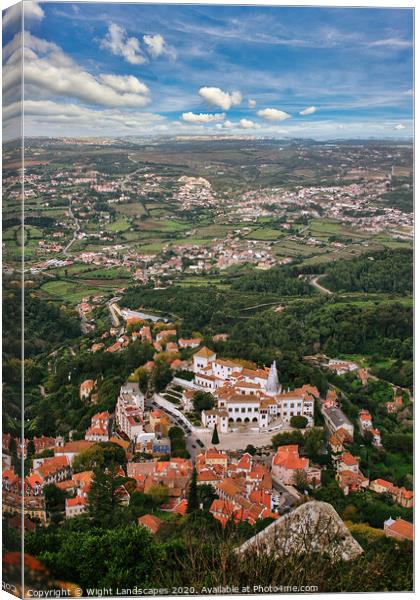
245,395
129,410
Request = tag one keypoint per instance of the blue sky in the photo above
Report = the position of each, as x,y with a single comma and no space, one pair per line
109,69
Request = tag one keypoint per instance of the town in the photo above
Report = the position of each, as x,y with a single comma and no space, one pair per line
208,361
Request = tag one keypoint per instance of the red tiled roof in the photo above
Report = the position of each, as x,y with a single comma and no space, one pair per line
402,528
151,522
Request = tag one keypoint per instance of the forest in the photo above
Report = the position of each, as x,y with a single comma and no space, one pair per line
388,271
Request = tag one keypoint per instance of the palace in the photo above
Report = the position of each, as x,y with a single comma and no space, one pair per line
246,395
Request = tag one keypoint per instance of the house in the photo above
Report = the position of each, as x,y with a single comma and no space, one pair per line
159,421
72,449
362,374
340,367
335,419
165,334
172,347
365,420
401,496
287,465
189,343
350,481
202,358
129,410
43,443
347,462
99,428
216,417
161,446
395,405
381,486
52,470
399,529
33,506
152,523
222,510
86,388
338,440
75,506
212,457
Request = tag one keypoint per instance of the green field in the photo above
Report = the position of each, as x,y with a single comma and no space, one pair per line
72,291
119,225
265,234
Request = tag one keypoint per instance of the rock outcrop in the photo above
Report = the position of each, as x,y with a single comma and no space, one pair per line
313,527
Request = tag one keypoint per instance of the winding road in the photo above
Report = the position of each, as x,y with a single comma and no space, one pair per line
314,281
76,231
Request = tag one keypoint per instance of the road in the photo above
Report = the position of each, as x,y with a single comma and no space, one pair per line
114,316
76,231
314,281
192,444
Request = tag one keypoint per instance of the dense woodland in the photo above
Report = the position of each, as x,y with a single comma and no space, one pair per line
388,271
278,280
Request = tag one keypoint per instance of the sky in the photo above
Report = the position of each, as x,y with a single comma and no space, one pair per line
134,69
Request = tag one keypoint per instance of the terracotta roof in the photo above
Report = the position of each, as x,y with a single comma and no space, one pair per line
73,447
205,352
402,528
288,458
151,522
77,501
181,508
52,465
383,483
348,459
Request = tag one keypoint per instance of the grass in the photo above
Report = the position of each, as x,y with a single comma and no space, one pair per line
118,225
264,234
134,209
72,291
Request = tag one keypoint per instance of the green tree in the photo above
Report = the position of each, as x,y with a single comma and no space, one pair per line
124,557
161,375
55,498
206,495
30,451
203,401
100,455
193,501
250,449
159,495
299,421
215,437
104,497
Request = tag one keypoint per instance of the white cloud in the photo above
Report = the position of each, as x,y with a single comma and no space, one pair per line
117,41
125,83
225,125
248,124
190,117
392,42
399,126
217,97
308,111
156,46
273,114
73,119
32,12
50,71
252,103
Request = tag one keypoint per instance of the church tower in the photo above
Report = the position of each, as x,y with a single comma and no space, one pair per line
273,385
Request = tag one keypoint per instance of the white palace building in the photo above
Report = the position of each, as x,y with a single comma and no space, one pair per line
245,395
